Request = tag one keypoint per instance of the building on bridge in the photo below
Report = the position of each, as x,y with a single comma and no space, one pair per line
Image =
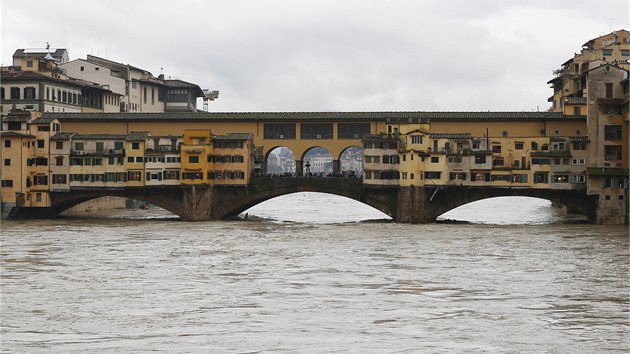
578,147
38,159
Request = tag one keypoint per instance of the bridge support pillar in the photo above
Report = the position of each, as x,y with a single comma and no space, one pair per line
412,206
197,203
336,166
299,168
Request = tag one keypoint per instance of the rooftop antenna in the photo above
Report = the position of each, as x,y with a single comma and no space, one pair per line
610,23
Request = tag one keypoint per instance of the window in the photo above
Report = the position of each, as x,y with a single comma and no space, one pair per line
134,176
613,109
177,95
130,159
416,139
476,146
496,149
7,143
59,145
607,52
557,146
29,63
316,131
15,93
59,161
480,158
59,179
7,183
435,159
432,175
40,180
82,68
609,90
40,143
455,159
139,158
612,152
457,176
152,96
612,132
279,131
193,159
503,178
7,162
540,161
541,177
520,178
498,161
577,111
353,130
518,146
171,174
560,178
135,146
79,146
29,93
145,94
534,146
579,145
625,53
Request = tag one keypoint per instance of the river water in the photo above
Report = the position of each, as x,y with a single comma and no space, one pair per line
300,275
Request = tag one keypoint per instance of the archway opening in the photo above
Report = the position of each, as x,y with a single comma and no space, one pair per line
314,207
511,210
117,208
351,161
317,161
280,161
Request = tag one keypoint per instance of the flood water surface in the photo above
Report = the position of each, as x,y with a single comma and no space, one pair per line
136,284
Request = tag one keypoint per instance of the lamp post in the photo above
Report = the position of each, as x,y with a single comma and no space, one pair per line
307,171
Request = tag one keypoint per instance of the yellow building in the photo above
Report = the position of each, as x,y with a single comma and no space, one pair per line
196,153
135,147
233,160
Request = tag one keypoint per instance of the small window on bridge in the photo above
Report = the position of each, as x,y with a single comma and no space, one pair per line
316,131
279,131
353,130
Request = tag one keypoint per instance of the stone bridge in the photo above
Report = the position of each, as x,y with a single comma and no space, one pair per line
403,204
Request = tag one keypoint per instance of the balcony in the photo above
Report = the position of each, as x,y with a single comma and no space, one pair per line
98,152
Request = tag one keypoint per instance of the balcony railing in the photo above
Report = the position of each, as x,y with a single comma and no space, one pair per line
103,152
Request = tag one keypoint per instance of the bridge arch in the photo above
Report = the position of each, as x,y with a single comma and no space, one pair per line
284,160
317,160
62,201
351,160
444,199
314,207
511,210
232,202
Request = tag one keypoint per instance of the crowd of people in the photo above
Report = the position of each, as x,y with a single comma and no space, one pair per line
345,174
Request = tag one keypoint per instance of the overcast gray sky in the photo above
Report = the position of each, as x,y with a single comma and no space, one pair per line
330,55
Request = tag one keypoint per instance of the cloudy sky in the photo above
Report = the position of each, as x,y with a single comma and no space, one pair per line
330,55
